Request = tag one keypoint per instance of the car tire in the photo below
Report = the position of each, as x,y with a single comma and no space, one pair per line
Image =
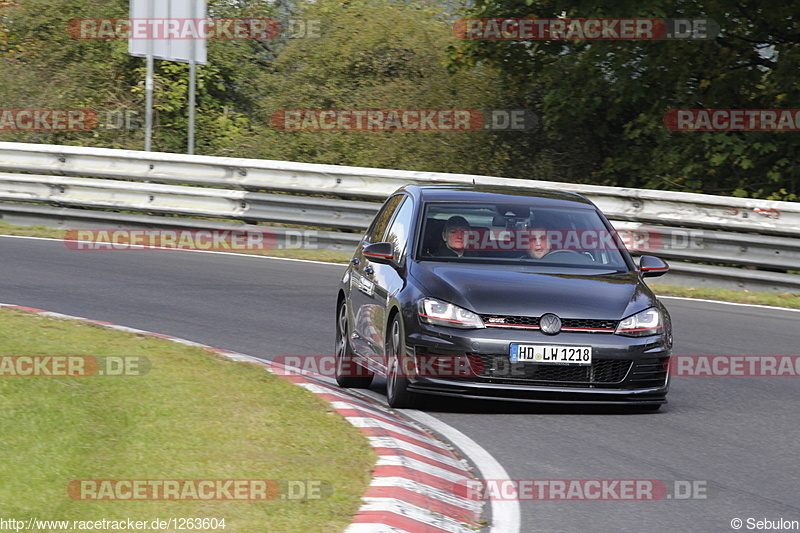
397,382
349,374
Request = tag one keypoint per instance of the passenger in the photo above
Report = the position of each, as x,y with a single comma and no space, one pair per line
454,236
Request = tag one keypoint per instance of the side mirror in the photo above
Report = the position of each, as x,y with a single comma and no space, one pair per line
651,266
380,252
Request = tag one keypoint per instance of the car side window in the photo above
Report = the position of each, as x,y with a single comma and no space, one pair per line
378,228
401,228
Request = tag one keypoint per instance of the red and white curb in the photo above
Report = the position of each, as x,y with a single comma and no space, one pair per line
412,487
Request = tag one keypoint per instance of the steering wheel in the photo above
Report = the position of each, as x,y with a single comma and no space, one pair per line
580,254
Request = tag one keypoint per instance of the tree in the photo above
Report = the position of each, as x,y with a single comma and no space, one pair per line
605,100
44,67
377,55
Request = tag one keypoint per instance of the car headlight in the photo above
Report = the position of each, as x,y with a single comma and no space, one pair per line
439,313
642,324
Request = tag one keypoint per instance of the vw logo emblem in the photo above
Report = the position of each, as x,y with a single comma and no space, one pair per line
550,324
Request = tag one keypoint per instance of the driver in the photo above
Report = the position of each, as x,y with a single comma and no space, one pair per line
539,244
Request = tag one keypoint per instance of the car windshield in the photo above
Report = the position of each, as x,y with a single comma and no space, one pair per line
518,234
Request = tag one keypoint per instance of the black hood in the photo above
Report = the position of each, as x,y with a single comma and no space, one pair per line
520,291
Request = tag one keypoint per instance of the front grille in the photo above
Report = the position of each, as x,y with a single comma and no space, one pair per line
581,323
569,324
499,369
499,321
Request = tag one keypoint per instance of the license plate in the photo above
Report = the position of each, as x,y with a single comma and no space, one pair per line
552,355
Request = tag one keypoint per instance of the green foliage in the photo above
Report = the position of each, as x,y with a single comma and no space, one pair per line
43,67
376,55
601,104
611,96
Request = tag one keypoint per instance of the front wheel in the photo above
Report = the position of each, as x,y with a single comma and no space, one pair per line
397,368
349,374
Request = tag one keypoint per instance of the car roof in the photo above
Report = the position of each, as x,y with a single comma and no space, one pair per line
497,194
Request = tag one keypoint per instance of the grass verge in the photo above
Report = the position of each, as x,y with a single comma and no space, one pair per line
194,415
746,297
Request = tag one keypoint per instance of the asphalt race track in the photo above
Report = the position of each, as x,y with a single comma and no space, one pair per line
736,439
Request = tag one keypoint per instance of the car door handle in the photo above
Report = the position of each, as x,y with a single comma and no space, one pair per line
368,270
355,261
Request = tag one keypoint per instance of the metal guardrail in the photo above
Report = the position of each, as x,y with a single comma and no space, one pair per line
182,200
695,226
639,205
707,246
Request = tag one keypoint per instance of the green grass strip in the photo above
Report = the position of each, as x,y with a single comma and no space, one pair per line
194,415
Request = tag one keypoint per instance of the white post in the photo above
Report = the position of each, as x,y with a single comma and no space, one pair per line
148,120
192,83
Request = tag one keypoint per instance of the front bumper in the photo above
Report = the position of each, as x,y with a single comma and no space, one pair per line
624,370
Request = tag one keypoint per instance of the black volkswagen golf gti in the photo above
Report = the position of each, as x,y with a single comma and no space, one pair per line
502,293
